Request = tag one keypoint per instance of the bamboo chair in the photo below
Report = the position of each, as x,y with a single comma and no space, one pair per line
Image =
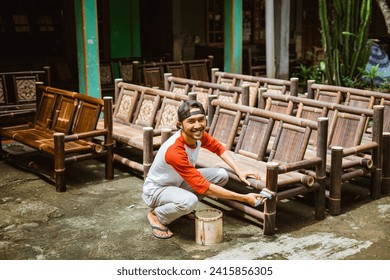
279,168
346,130
154,118
63,128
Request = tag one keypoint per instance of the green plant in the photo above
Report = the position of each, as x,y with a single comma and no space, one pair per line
370,76
344,30
311,72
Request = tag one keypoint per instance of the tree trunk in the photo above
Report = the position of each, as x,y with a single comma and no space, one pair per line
386,12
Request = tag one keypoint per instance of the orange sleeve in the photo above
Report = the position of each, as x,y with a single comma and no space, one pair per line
211,144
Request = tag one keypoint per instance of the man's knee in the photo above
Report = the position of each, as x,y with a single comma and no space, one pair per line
188,204
222,177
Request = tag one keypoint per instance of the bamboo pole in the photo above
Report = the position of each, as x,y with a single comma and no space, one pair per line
59,161
335,180
386,164
270,204
108,138
148,149
320,170
377,133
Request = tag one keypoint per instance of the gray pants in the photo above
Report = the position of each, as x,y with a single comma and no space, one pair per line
172,202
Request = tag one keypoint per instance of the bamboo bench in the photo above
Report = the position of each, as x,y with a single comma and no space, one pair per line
348,157
205,90
64,124
279,165
151,74
143,119
18,94
255,83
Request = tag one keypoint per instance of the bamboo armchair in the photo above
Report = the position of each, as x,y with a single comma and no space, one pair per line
255,83
64,125
348,157
278,161
143,119
235,94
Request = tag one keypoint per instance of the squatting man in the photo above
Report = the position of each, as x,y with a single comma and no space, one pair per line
173,186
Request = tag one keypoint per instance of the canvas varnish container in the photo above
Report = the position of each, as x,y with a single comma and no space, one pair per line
208,226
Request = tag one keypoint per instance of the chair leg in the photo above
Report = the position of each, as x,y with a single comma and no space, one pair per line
386,164
59,162
270,205
335,180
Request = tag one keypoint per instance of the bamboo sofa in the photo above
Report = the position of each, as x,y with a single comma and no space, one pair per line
64,125
151,74
278,159
255,83
143,119
348,157
362,99
205,91
18,93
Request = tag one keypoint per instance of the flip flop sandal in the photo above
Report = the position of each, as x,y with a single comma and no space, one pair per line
161,229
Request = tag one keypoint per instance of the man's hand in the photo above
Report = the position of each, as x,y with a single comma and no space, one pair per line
243,175
255,199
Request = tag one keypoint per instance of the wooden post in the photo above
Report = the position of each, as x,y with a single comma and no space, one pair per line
165,134
270,204
211,110
136,78
59,161
386,164
117,89
148,149
245,95
166,82
376,156
335,180
310,92
322,136
47,80
261,99
294,86
213,78
108,138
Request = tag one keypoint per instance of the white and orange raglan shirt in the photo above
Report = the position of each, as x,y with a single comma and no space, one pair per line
175,162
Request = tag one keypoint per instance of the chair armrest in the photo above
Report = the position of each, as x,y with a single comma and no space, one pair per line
84,135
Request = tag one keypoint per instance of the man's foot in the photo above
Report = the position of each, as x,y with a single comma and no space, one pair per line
158,229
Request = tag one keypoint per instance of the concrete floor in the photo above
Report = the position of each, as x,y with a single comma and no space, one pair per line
106,219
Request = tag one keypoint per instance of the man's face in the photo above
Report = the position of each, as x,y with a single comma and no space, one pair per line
193,127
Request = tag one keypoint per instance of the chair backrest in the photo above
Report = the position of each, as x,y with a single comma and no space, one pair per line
65,110
290,143
199,71
125,105
167,115
202,95
225,125
177,70
153,76
25,87
87,114
106,75
254,137
146,111
3,90
43,116
328,96
346,130
126,70
179,88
